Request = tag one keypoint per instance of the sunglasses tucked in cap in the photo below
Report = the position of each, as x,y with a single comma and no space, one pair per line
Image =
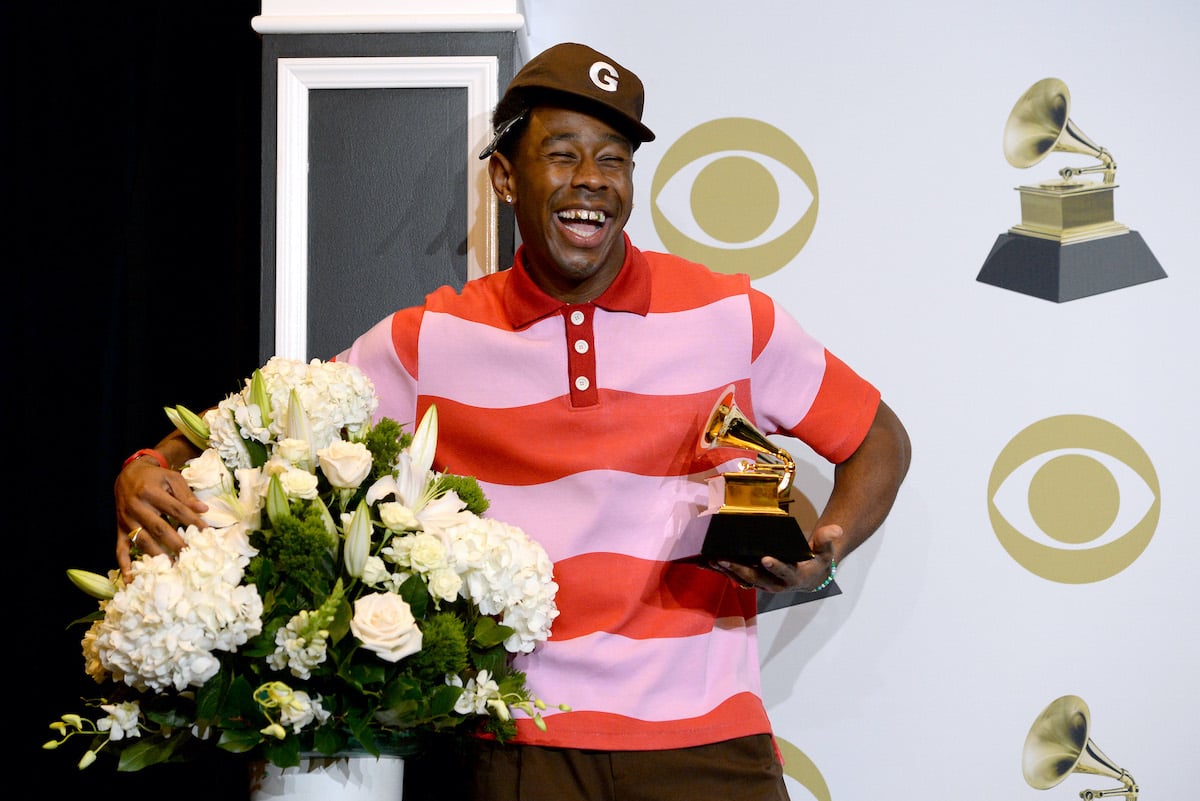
578,75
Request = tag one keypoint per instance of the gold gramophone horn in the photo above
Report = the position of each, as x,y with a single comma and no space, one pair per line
752,522
1039,125
1058,745
728,427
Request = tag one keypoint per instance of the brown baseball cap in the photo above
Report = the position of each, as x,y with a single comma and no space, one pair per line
580,77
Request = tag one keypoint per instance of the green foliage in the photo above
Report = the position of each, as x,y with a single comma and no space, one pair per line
385,441
443,647
468,490
299,548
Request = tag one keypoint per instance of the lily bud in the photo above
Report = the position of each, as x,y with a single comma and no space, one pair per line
93,584
358,541
190,425
499,708
277,502
274,730
261,398
424,441
327,519
298,426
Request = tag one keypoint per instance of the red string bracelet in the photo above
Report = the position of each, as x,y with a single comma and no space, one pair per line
158,457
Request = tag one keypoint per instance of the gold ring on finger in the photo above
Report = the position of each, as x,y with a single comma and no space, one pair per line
133,535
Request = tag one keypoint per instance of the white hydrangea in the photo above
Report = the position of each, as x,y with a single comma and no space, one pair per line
160,630
505,573
335,396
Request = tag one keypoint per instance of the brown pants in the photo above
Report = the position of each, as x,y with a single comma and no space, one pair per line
744,769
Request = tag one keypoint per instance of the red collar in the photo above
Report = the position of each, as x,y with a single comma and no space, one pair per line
525,302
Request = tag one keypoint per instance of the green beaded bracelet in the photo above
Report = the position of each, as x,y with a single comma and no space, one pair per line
828,579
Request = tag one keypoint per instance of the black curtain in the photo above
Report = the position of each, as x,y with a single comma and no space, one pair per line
132,169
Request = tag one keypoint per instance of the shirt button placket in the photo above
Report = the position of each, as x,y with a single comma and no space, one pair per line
581,356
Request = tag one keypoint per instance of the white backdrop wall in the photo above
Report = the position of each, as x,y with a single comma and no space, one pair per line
922,679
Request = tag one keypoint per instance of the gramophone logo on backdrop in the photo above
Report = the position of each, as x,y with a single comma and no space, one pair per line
1067,245
1073,499
1059,744
735,194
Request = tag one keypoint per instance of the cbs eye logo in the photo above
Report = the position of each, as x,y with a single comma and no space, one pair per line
742,197
798,767
1073,499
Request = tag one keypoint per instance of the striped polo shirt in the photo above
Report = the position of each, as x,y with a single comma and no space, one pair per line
582,423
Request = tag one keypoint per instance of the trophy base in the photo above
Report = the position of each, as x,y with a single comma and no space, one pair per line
746,538
1059,272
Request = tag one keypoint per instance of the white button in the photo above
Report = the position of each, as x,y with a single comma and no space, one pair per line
581,346
577,317
582,383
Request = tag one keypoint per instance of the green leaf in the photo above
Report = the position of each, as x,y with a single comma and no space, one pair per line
340,625
329,740
443,699
285,753
152,751
489,633
257,451
416,595
239,741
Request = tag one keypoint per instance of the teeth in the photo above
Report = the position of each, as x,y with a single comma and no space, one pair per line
582,214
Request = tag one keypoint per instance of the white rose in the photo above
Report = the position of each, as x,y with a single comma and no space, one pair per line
295,451
299,484
384,623
345,464
444,584
427,553
375,572
397,516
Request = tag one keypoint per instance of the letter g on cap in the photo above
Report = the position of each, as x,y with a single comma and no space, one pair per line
604,75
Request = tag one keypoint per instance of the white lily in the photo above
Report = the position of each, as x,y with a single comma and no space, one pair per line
413,484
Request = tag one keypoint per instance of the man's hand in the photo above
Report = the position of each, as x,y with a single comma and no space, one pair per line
150,503
773,575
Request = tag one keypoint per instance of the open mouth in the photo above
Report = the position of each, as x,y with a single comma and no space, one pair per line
583,222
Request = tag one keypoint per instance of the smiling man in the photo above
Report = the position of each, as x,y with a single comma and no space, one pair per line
575,387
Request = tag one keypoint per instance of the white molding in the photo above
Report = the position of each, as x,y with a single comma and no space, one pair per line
478,74
388,16
387,23
393,7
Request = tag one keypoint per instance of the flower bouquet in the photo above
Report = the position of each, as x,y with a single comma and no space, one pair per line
344,596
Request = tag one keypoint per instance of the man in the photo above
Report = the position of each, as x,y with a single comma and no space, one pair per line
575,387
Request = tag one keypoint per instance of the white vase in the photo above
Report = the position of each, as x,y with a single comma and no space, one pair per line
345,778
